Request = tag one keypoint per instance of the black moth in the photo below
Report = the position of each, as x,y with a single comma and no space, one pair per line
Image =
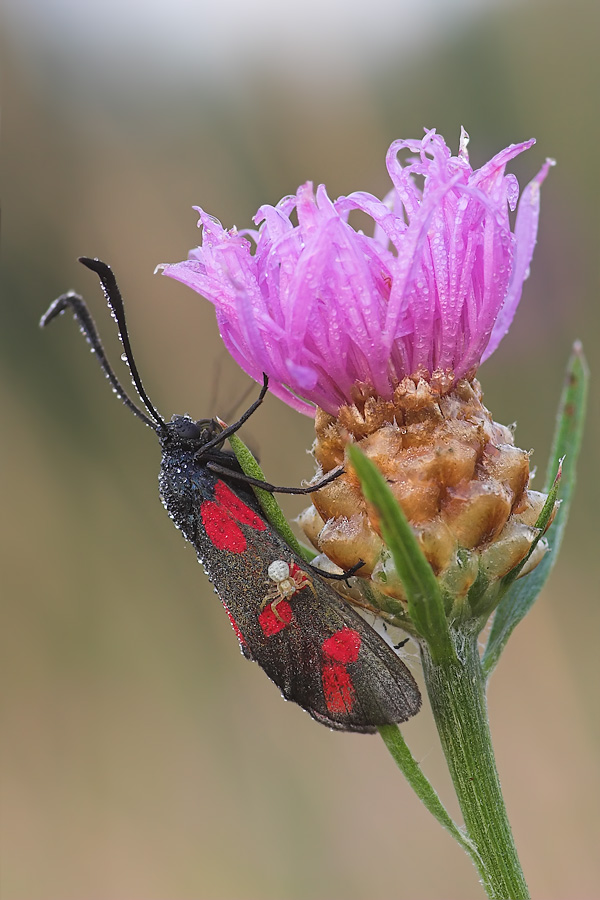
319,652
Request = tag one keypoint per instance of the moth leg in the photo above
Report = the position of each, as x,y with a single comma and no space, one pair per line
272,488
341,576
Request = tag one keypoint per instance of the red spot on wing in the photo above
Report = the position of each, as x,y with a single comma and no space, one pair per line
343,646
237,507
337,688
221,528
270,623
339,649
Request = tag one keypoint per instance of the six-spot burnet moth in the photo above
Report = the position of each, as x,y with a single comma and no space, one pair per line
317,649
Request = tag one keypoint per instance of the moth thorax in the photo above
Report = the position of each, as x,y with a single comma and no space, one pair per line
278,571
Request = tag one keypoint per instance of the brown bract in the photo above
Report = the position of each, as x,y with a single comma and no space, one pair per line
460,480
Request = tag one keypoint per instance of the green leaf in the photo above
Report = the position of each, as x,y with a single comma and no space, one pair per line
395,743
268,503
425,605
521,596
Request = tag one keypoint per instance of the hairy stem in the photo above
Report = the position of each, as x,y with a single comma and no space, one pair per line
456,689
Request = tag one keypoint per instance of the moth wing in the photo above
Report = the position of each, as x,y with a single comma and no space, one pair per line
317,649
343,673
321,653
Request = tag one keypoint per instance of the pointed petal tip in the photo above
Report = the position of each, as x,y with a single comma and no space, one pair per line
541,175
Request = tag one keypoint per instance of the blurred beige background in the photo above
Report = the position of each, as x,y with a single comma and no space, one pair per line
142,756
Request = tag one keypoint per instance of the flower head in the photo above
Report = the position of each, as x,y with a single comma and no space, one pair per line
323,308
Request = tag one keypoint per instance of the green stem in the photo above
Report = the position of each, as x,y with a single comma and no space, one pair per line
456,691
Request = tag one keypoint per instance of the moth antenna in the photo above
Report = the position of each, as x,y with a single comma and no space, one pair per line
82,315
114,299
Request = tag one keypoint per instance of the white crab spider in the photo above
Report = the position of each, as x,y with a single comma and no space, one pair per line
287,582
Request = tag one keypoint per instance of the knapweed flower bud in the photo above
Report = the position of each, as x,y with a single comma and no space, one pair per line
380,336
460,480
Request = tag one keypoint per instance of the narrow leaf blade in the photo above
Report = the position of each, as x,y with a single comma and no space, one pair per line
425,603
519,599
395,743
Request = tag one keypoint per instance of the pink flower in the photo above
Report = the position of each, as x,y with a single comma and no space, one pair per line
320,306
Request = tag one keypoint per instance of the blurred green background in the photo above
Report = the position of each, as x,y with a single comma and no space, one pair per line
142,756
